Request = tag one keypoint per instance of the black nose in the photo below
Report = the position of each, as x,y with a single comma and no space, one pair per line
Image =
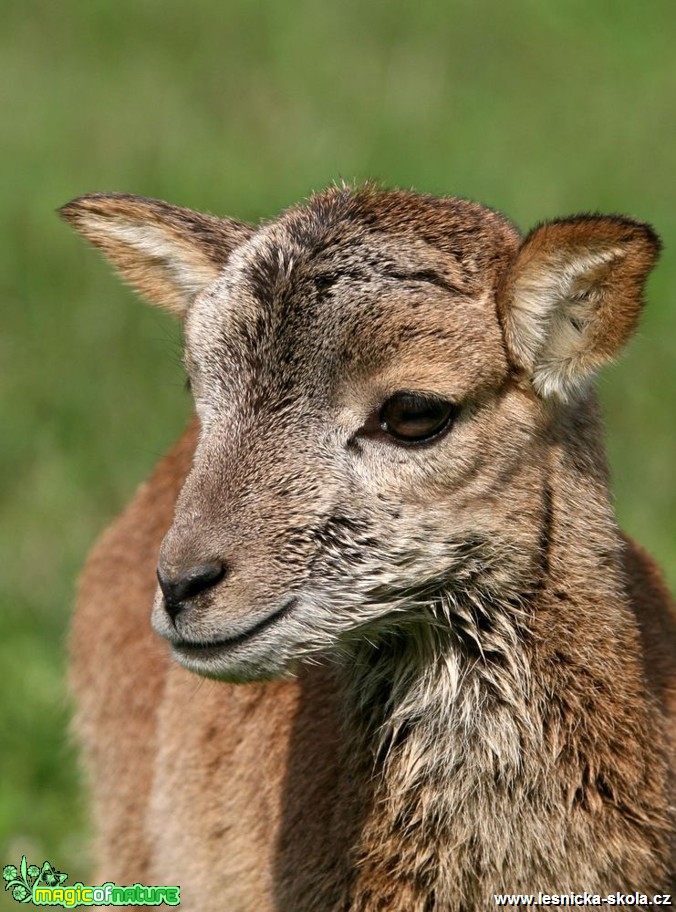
178,589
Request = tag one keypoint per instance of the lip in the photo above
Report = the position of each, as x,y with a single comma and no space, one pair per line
210,647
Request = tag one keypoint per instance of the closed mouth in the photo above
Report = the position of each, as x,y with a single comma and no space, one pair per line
206,648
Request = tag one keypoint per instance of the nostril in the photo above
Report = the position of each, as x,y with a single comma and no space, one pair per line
178,589
198,579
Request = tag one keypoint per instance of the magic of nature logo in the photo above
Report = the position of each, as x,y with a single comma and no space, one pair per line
45,886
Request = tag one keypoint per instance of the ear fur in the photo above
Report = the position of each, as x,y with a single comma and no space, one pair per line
167,253
572,297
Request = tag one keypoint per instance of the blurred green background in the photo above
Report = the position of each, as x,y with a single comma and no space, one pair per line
239,107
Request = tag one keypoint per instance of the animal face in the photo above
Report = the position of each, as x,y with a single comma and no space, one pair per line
379,378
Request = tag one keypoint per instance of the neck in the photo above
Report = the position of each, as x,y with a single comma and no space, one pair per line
510,745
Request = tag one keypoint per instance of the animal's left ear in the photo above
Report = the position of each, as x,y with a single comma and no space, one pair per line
572,297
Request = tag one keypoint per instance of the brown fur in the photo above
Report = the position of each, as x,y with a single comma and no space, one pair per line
162,279
483,687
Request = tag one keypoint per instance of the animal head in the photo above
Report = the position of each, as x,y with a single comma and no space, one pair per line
376,375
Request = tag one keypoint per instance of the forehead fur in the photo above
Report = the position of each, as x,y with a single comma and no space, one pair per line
357,276
458,238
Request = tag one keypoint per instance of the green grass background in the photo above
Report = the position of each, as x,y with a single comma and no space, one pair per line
539,108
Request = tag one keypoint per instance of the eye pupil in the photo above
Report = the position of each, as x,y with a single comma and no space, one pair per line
414,417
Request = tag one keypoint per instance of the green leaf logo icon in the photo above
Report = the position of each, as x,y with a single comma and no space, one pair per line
21,881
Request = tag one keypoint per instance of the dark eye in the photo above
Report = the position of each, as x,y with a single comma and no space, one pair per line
413,417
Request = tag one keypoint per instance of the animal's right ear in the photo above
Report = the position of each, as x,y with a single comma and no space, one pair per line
168,254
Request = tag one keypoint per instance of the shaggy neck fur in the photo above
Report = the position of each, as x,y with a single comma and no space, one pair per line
506,747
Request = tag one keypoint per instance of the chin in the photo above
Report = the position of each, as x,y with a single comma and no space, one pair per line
241,665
